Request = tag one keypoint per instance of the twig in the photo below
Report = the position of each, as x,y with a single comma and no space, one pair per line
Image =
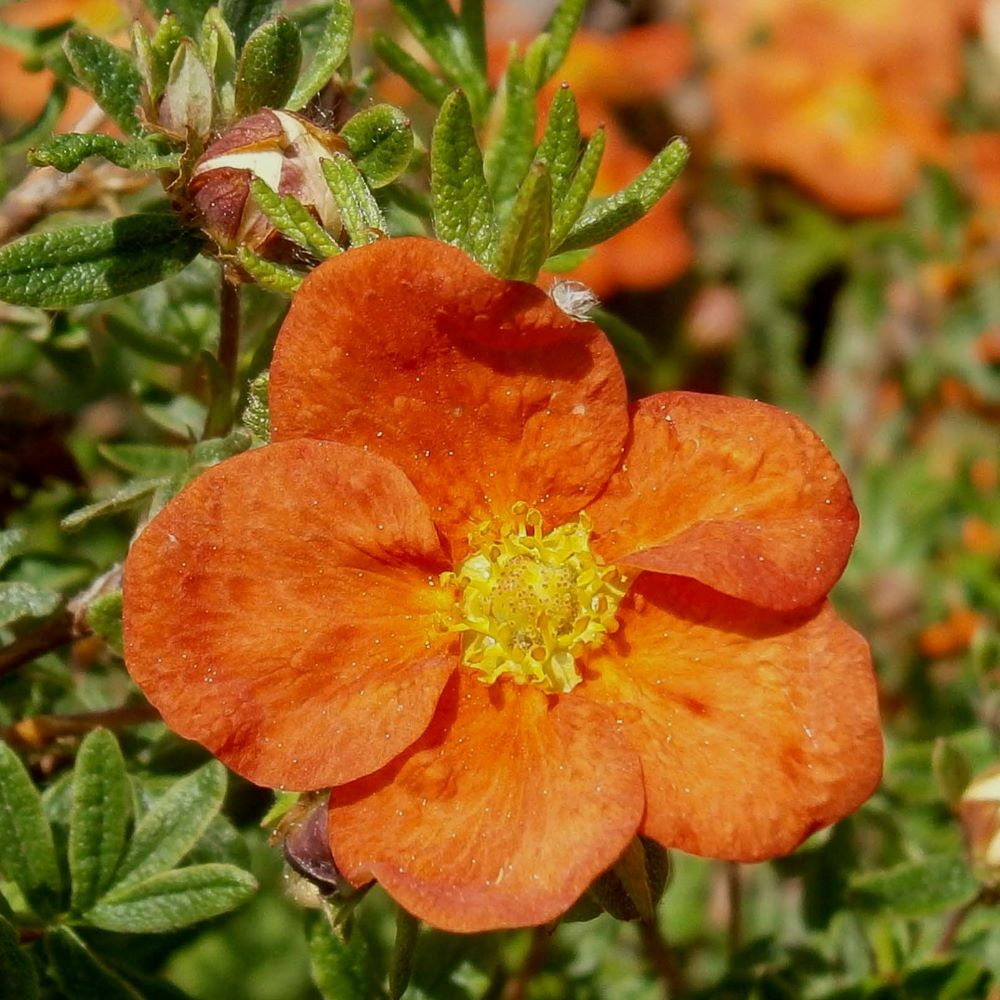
516,988
662,959
954,923
229,327
52,634
40,730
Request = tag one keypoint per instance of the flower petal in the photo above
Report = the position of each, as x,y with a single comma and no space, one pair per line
734,493
754,729
278,611
501,816
481,390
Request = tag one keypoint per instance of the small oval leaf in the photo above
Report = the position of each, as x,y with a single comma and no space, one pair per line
381,143
269,67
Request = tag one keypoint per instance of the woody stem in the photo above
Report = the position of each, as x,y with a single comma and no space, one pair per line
229,327
662,959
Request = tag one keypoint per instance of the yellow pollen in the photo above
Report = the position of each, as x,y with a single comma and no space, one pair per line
529,603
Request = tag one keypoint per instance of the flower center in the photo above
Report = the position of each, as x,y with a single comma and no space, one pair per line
529,602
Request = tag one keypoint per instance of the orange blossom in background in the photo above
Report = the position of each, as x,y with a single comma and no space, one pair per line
510,620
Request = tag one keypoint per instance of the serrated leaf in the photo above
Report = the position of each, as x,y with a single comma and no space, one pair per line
463,207
560,31
332,49
67,151
359,212
524,239
173,899
271,277
173,825
572,204
186,108
80,973
916,888
27,851
25,600
218,49
343,967
99,817
268,67
104,616
560,147
613,214
244,17
130,495
430,87
147,460
12,542
108,73
435,25
43,125
509,156
380,141
291,217
18,979
77,264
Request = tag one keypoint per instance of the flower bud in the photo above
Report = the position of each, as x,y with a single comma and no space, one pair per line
979,811
283,150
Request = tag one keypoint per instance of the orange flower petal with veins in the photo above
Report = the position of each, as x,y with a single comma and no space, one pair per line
278,612
481,390
754,728
734,493
501,816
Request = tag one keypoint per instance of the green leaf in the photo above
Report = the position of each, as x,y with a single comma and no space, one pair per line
381,143
43,125
333,48
561,144
916,888
430,87
343,968
616,213
108,73
560,31
173,825
147,343
271,277
173,899
79,972
214,450
524,240
257,412
569,207
27,851
560,263
463,207
66,152
18,980
401,963
269,66
952,770
245,16
292,218
99,816
187,108
154,55
189,13
67,267
104,616
218,49
25,600
360,214
30,41
471,17
509,157
434,24
631,889
129,496
147,460
13,542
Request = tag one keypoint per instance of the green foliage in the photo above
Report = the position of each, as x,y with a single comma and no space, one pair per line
916,888
109,74
359,212
67,152
18,979
380,141
332,48
268,67
296,222
244,17
508,158
76,264
342,966
523,242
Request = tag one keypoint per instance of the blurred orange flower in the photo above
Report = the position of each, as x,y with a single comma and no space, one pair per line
510,621
846,97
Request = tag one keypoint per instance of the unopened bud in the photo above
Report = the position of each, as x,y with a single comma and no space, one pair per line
979,810
283,150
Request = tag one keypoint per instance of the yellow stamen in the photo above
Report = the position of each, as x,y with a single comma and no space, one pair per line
529,603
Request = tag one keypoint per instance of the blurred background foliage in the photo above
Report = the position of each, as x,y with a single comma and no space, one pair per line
832,247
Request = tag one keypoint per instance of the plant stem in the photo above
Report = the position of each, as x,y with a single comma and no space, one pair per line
662,959
229,327
734,889
40,730
516,988
52,634
955,921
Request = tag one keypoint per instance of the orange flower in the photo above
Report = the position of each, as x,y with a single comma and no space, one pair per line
848,97
511,622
